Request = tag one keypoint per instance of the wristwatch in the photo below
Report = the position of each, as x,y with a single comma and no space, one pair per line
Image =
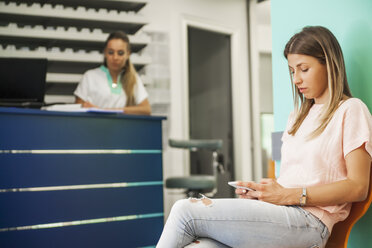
303,197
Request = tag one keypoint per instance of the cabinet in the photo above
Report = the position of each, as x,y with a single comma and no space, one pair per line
80,179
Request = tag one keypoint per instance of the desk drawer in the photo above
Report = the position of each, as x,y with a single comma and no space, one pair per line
132,233
40,170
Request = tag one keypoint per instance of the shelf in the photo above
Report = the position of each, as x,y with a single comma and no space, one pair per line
71,38
63,78
61,84
66,56
107,21
68,61
121,5
60,88
59,99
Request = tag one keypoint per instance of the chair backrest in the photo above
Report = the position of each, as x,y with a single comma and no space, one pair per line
341,231
212,145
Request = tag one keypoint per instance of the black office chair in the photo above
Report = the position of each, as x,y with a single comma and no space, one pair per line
195,184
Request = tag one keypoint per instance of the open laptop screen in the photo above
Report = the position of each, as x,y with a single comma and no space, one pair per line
22,81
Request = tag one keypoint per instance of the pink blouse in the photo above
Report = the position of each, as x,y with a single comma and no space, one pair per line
321,160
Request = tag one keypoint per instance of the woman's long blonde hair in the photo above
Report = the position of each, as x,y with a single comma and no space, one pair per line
320,43
128,78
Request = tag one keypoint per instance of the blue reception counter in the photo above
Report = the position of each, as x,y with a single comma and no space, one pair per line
80,179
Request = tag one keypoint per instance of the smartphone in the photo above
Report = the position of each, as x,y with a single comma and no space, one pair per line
235,185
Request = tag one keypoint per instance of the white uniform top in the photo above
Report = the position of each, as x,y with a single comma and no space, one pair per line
96,88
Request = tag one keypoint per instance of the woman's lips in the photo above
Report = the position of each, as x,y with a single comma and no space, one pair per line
302,90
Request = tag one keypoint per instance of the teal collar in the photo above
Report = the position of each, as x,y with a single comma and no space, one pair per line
115,90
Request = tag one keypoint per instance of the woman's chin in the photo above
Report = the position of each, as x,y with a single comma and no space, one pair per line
115,68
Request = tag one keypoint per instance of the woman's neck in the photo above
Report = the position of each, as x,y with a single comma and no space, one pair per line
114,75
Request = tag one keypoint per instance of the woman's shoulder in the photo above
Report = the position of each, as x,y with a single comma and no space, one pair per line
353,104
354,107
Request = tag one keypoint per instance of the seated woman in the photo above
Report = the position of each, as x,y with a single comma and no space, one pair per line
115,85
326,164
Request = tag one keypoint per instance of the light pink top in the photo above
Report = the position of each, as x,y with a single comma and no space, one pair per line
321,160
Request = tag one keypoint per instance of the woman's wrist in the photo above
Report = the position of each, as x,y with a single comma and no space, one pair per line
292,196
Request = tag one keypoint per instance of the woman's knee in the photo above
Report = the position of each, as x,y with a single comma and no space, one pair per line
180,207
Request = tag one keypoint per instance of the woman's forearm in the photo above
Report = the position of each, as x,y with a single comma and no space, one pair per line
144,108
353,188
139,110
329,194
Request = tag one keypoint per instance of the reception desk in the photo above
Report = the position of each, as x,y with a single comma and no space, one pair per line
80,179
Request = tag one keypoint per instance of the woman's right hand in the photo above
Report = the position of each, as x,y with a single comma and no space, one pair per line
84,104
88,105
243,193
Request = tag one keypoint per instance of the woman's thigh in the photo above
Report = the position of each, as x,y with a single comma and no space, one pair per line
251,223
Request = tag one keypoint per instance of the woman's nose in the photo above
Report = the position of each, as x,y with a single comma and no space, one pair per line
296,78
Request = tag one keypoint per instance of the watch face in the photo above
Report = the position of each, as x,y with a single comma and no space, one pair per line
303,197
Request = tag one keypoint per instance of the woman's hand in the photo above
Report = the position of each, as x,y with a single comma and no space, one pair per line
88,105
84,104
243,193
268,190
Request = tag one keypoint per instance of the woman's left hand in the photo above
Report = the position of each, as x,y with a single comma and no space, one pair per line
268,190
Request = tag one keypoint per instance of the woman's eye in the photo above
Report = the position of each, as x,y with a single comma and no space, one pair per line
110,52
121,53
305,69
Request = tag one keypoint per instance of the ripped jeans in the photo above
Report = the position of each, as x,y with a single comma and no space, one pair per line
241,223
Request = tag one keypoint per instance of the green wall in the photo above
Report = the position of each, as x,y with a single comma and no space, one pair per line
351,22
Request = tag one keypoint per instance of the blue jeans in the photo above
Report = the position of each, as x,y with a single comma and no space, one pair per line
241,223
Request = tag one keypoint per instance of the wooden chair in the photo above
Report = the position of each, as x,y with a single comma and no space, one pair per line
341,231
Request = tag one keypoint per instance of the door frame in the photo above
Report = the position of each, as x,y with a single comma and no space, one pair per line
240,91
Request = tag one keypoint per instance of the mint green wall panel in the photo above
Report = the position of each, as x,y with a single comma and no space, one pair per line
351,22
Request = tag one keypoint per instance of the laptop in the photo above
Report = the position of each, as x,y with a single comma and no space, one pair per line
22,82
